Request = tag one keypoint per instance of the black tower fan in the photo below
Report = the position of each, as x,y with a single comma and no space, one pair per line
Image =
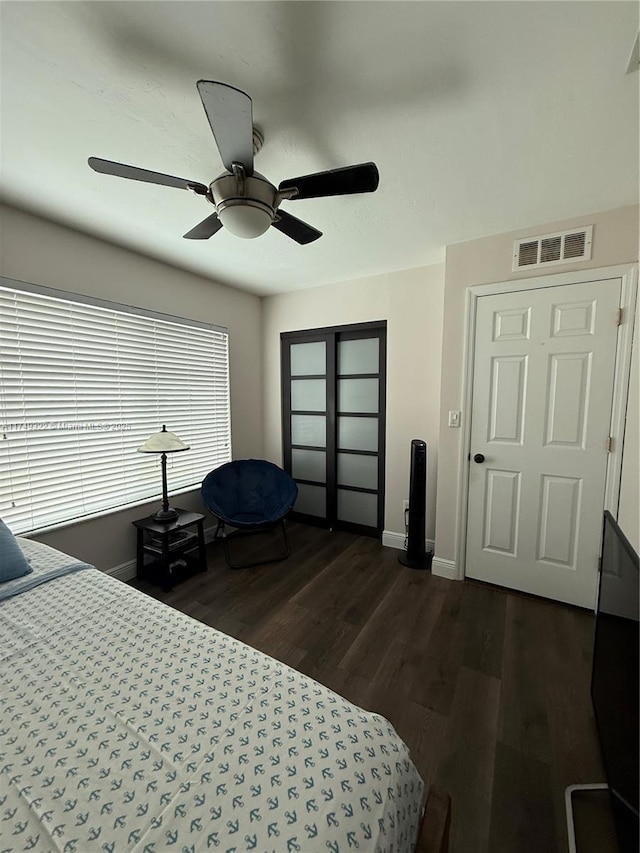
416,556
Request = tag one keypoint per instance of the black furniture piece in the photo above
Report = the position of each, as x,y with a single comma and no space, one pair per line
416,556
170,545
614,693
252,496
614,679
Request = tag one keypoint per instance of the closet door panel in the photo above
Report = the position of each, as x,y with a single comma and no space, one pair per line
308,359
357,433
358,356
359,471
358,395
358,507
312,500
309,464
309,430
309,395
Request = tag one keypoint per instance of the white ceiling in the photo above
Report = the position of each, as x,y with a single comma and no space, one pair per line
482,118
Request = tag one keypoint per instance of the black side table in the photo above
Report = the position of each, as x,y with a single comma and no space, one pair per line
169,542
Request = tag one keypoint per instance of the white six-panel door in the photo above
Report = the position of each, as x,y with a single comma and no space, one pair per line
542,395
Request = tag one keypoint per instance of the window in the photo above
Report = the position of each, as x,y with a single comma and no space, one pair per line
83,384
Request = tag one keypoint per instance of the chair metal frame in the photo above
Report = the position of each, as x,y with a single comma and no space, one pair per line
243,532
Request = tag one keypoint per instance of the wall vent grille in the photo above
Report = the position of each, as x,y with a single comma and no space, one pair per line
564,247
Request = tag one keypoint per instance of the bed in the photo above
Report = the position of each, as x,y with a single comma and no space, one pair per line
128,726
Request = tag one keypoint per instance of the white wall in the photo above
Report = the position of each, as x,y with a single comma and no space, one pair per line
38,251
424,311
629,511
411,302
488,260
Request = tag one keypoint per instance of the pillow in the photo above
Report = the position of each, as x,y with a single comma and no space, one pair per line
13,563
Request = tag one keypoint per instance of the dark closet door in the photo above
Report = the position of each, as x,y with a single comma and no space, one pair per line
307,365
333,407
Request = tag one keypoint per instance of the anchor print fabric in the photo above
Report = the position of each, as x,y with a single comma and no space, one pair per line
127,726
46,564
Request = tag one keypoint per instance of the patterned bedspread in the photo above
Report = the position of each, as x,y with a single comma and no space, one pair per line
128,726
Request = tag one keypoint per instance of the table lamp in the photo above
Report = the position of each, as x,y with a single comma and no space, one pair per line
164,442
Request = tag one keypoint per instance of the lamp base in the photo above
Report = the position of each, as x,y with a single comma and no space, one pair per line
165,515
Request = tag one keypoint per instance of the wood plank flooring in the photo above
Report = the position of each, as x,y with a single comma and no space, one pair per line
489,688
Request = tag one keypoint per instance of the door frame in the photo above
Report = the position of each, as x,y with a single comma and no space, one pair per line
629,275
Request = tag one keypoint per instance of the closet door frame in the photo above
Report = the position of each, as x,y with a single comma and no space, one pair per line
307,337
331,336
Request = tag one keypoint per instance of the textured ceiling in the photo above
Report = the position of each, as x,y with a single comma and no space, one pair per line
481,117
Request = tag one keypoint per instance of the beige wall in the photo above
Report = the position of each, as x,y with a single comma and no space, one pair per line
411,303
424,310
629,512
41,252
488,260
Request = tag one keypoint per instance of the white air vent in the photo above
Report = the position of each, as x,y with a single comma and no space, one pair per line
564,247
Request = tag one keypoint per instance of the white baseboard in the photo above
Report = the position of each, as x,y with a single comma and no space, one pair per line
396,540
444,568
440,567
393,540
127,571
124,572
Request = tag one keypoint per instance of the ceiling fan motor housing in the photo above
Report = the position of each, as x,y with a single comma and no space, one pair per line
245,206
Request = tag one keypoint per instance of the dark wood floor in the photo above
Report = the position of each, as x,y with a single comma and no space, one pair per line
489,688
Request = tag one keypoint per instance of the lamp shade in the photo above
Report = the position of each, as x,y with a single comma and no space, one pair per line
163,442
245,220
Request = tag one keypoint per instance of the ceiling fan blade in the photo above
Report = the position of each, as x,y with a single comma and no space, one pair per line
205,229
295,228
351,179
120,170
230,115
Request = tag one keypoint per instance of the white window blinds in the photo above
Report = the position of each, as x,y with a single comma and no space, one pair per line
83,385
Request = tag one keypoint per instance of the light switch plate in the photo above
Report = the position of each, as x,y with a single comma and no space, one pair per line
454,418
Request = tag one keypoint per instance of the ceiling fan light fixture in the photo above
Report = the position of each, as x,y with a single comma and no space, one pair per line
245,218
246,203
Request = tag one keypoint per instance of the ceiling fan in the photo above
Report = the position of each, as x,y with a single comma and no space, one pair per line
245,202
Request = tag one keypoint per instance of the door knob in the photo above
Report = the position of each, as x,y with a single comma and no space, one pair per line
479,457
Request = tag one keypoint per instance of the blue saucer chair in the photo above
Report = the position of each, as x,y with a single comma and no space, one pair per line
250,495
